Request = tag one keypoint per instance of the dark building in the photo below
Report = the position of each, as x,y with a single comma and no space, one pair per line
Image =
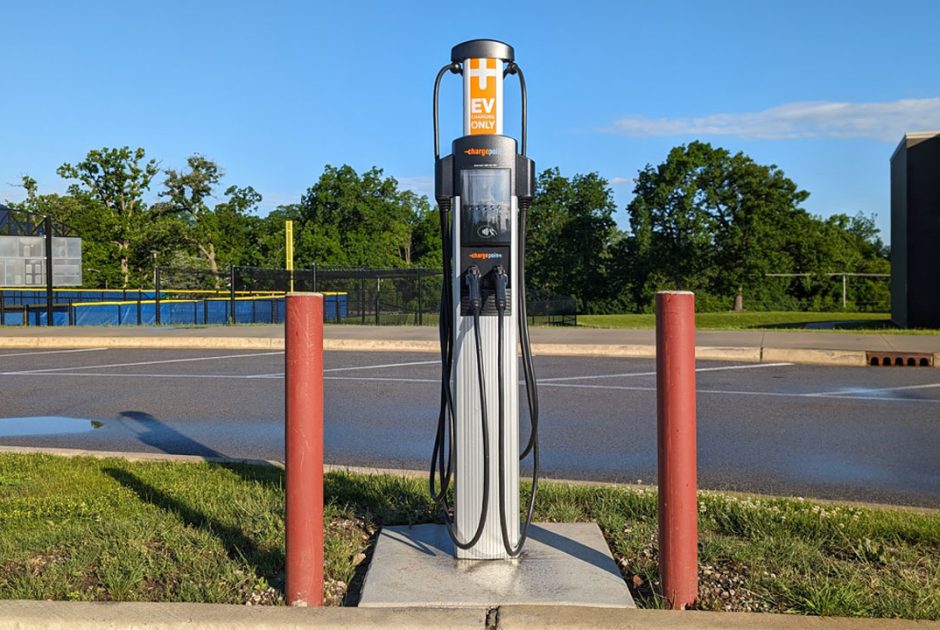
915,231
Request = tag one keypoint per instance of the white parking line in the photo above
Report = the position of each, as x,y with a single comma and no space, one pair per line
631,388
216,376
384,365
749,366
30,354
137,363
140,375
376,378
347,369
724,392
874,390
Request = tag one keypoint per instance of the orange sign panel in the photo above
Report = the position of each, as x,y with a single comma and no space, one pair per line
484,97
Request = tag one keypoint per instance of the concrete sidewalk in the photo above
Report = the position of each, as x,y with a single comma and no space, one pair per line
803,346
22,614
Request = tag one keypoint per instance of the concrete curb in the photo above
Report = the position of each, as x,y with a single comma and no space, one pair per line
380,345
513,617
713,353
25,614
157,343
752,354
136,456
849,358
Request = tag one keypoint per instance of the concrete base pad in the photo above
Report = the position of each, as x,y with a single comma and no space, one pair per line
564,564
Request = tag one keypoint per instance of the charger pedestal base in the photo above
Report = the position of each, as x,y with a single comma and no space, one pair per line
563,564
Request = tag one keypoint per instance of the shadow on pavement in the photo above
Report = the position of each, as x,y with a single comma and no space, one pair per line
158,434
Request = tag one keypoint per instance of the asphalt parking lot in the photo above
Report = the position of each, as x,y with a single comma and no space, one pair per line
869,434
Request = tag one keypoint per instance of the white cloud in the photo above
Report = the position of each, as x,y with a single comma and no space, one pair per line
887,121
272,200
621,181
420,184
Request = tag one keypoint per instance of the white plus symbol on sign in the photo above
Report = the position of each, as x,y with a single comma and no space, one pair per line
482,73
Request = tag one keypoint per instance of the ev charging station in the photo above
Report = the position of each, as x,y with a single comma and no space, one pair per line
483,190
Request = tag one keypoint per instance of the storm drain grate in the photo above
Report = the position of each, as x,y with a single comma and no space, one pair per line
899,359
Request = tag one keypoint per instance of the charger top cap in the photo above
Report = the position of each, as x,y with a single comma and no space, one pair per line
482,49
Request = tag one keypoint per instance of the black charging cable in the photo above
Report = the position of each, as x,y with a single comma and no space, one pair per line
446,422
531,385
501,282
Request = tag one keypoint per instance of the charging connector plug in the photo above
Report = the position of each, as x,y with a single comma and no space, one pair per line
474,293
501,283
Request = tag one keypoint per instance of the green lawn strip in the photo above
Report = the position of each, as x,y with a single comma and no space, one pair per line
93,529
769,320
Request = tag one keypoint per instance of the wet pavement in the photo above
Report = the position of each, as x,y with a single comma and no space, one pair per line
867,434
46,425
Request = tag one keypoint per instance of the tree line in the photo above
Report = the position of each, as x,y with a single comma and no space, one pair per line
704,220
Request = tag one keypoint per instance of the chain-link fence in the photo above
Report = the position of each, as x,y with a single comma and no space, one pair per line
383,296
255,295
395,296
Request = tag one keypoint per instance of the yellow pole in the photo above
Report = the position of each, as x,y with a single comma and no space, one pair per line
289,250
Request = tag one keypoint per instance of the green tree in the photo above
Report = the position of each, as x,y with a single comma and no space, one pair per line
218,233
238,229
353,220
118,179
711,222
671,220
839,244
718,224
426,237
756,210
569,233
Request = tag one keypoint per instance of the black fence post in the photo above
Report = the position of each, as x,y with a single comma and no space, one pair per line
378,298
420,300
231,298
3,310
254,310
362,297
314,277
139,314
47,228
156,296
71,313
205,310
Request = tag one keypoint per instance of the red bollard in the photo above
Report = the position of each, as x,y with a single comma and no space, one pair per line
303,388
675,407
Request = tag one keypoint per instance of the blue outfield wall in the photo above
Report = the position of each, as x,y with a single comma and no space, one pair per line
15,297
172,312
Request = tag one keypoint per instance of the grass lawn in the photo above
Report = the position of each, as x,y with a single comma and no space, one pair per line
769,320
89,529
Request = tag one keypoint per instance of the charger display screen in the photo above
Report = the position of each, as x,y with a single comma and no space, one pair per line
486,206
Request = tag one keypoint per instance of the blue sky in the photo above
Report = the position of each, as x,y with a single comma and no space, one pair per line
274,91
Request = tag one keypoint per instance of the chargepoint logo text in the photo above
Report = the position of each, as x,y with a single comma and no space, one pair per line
484,255
483,152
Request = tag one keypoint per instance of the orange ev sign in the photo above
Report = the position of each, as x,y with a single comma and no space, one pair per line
484,77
